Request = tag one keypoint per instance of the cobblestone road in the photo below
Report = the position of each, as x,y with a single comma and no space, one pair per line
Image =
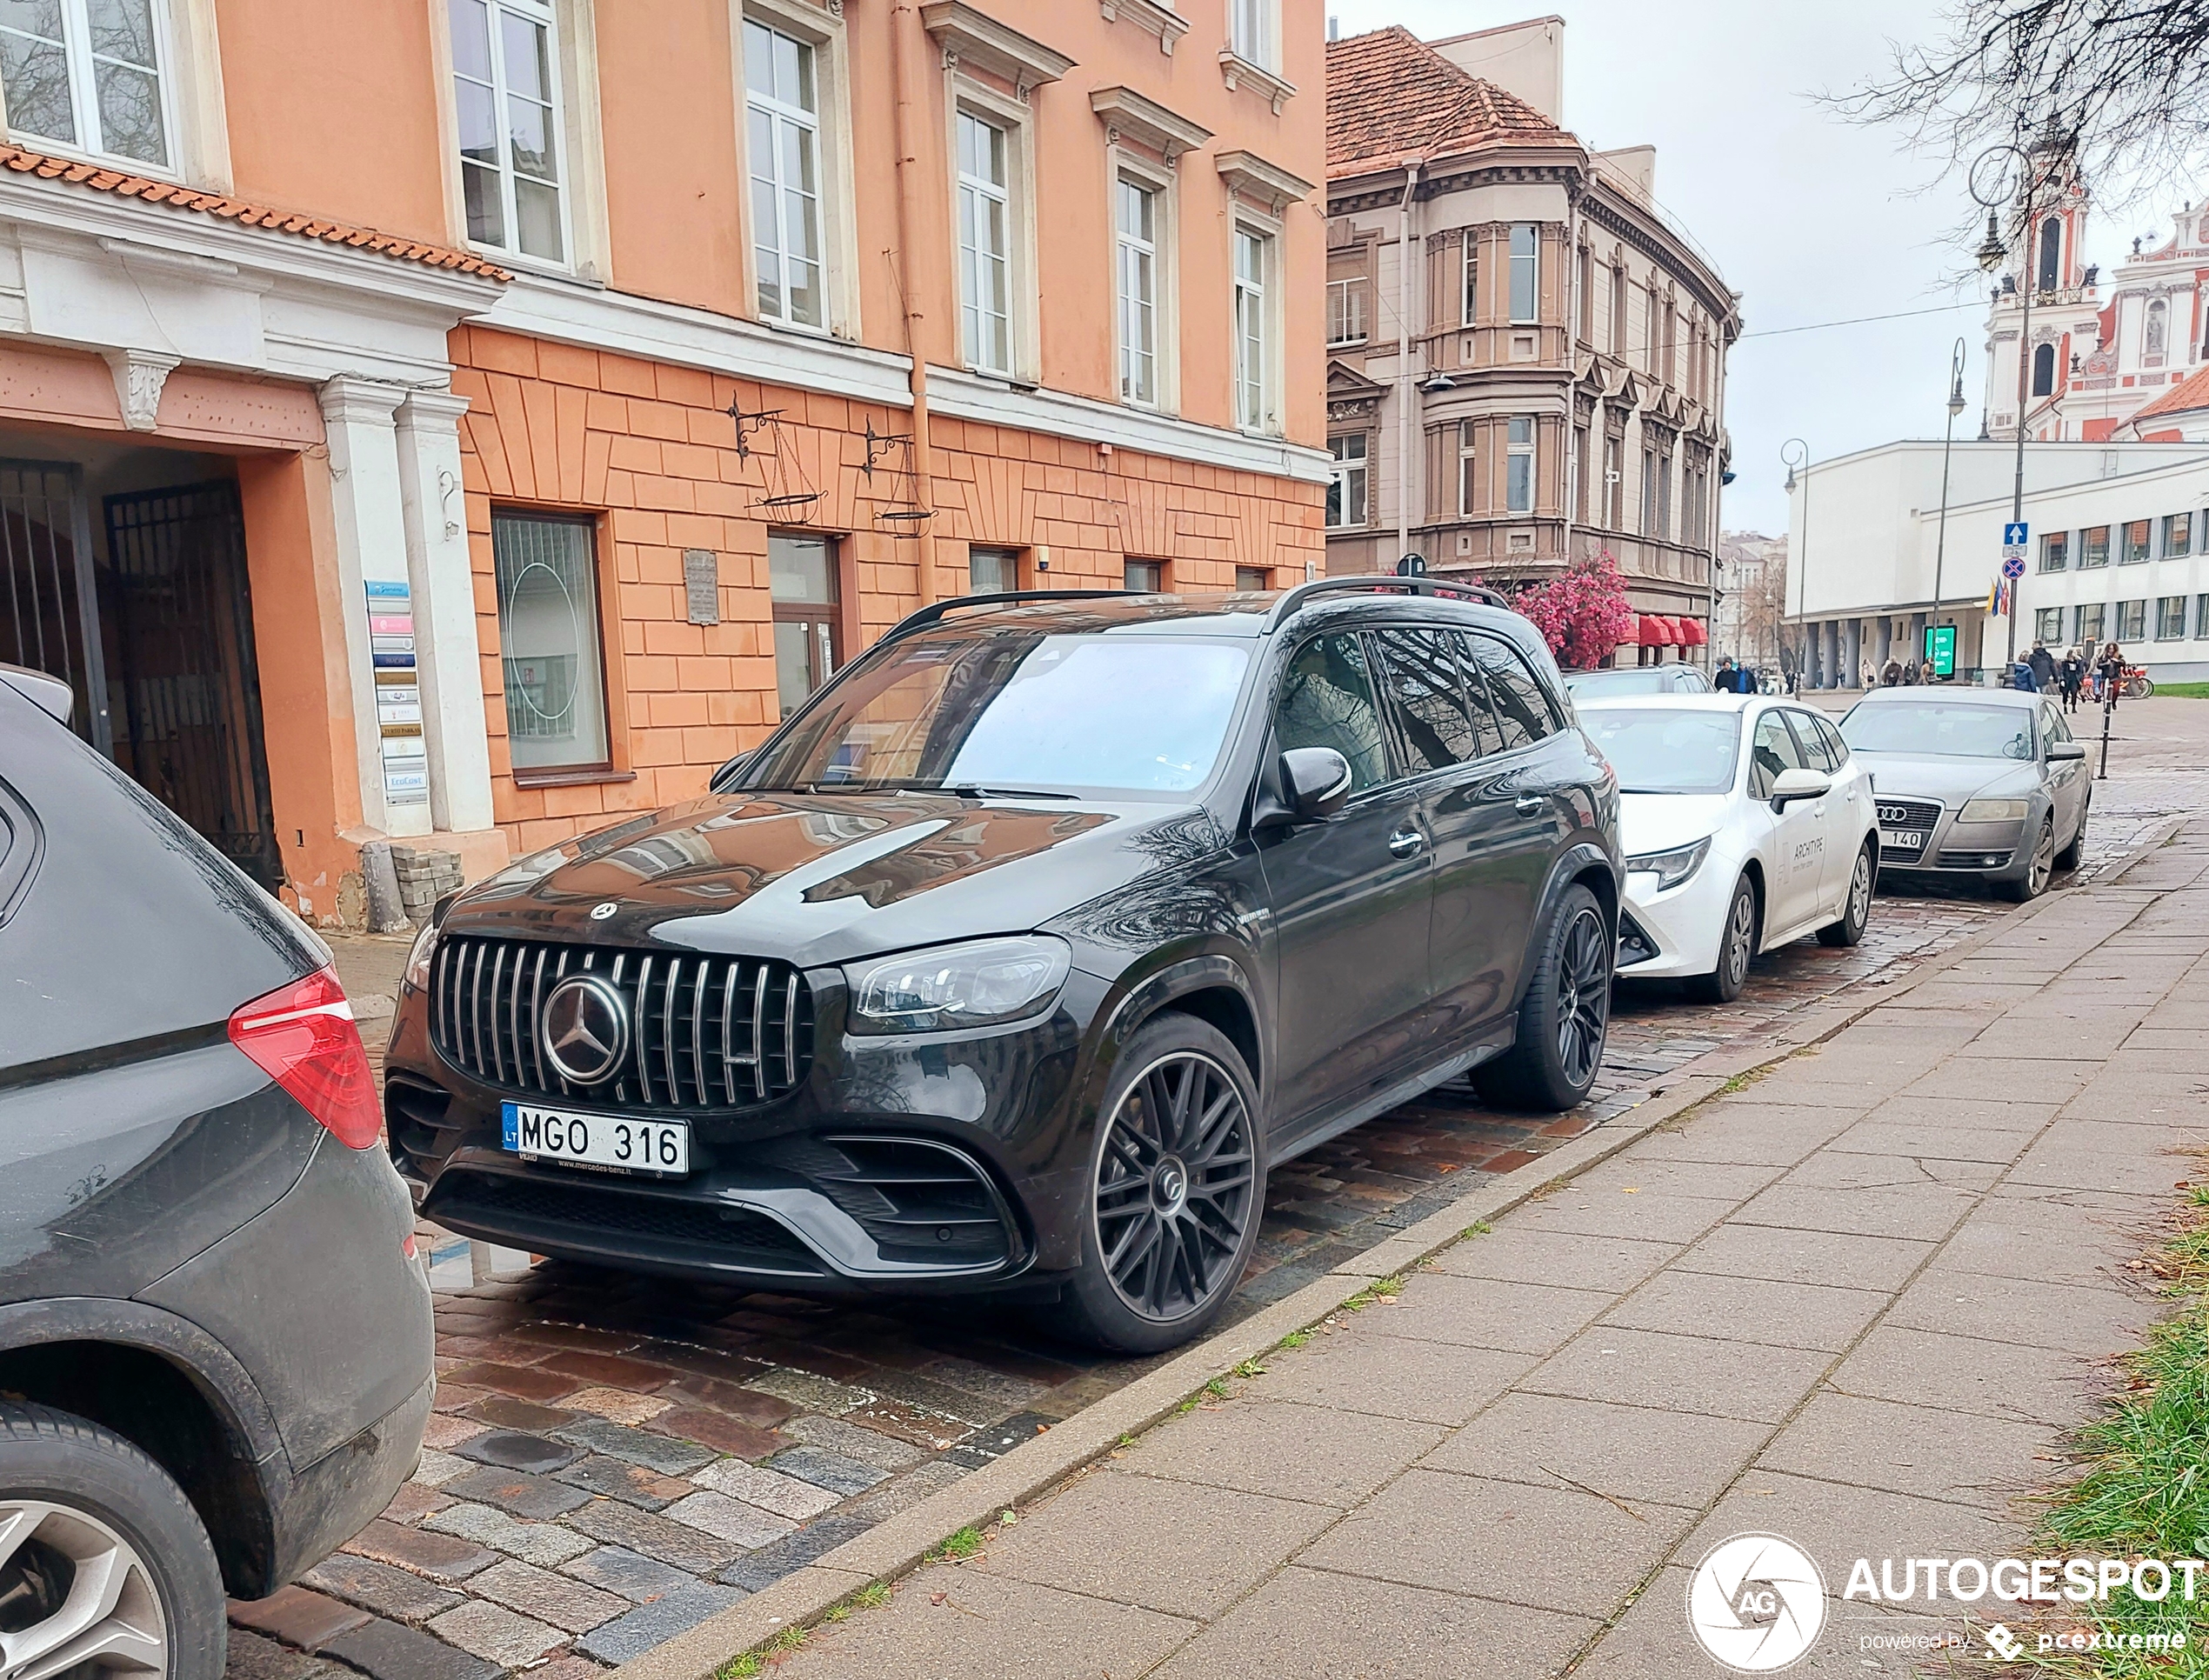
613,1458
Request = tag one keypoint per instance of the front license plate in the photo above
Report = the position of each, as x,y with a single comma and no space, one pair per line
598,1140
1901,840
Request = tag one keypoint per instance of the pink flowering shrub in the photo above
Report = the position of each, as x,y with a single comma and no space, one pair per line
1582,612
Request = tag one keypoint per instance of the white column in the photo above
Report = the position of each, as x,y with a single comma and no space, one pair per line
447,659
364,494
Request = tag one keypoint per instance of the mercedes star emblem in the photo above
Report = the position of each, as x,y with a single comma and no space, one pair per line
584,1029
600,912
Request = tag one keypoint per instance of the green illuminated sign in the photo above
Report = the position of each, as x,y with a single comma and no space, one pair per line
1940,649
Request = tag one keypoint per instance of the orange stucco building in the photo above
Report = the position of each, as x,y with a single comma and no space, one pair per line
468,420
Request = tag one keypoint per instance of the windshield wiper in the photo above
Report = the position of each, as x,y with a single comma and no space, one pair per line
973,790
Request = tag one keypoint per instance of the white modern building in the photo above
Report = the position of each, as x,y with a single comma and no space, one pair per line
2116,552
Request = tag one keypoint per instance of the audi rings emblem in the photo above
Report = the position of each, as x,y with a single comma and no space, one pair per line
584,1029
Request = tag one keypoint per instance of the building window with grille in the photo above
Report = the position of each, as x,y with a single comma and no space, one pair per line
782,134
1253,330
1347,481
802,584
1526,272
506,97
992,572
2131,620
1518,464
551,656
89,74
2093,547
2178,536
985,242
1145,576
2055,551
2171,618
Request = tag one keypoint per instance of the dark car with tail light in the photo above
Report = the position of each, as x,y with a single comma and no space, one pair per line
1023,950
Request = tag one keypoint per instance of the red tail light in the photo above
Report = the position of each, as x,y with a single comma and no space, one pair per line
304,1037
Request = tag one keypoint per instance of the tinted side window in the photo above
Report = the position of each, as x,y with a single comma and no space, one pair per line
1522,711
1835,747
1430,711
1816,754
1773,751
1327,700
1486,729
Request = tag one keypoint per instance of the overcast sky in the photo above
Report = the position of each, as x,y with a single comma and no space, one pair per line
1810,218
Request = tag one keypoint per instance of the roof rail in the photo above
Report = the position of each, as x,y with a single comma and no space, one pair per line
934,614
1296,600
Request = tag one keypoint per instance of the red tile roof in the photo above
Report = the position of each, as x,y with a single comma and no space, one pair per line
2188,394
102,179
1390,98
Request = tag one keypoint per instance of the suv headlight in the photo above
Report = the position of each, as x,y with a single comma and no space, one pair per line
980,983
1671,868
417,960
1993,810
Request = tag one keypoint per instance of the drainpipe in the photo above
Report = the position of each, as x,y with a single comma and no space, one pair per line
1569,478
1405,388
901,18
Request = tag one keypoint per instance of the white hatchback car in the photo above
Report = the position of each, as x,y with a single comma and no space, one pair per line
1746,824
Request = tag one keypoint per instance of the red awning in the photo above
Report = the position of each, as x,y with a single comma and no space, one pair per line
1657,632
1692,632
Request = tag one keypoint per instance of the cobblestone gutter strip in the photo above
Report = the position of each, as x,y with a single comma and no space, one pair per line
898,1544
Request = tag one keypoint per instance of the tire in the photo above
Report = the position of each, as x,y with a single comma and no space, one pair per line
1856,914
89,1495
2075,854
2140,688
1564,1015
2038,868
1737,949
1197,1189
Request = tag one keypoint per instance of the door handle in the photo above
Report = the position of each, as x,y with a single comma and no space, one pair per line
1406,842
1528,804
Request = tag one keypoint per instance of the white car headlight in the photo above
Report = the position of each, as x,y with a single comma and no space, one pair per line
1993,810
417,960
1671,868
980,983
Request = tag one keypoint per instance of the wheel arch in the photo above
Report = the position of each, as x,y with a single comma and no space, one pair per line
1213,987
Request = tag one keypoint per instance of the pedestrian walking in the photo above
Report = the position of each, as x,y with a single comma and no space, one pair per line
2109,675
2072,675
1871,677
2022,677
2043,668
1890,673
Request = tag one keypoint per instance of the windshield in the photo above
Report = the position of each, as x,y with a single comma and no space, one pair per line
1929,728
1018,712
1668,751
1594,684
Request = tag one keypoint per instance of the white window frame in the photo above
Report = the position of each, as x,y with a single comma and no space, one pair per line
1123,164
1254,33
825,33
1515,450
1135,291
560,22
781,114
1345,468
1468,466
83,96
1534,260
970,97
1340,293
1256,388
1469,279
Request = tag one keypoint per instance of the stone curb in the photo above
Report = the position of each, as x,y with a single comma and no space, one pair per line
903,1542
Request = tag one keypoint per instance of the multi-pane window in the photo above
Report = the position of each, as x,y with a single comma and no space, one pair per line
1518,464
803,586
2055,551
1136,214
1616,341
2093,547
1525,271
783,125
2087,621
86,73
2200,616
1252,31
1472,276
1347,482
1586,287
1580,474
2048,624
1664,493
2178,535
2131,620
1649,492
2171,618
507,100
550,656
1614,482
985,242
1254,333
1149,576
1470,499
992,572
2136,543
1346,310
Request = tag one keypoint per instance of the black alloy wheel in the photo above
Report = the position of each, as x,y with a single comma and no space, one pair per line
1856,911
1177,1193
1564,1014
1737,950
1584,995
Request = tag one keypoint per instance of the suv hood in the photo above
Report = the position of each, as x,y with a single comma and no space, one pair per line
821,878
1950,780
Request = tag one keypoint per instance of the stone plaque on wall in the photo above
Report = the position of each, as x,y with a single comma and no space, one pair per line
702,584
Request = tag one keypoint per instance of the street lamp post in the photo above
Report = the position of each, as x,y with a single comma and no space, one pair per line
1992,250
1796,453
1940,544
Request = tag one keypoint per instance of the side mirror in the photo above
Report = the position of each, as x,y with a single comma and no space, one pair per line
725,776
1793,784
2061,752
1317,780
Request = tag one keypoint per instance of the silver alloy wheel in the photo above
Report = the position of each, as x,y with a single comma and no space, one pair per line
2043,865
75,1596
1173,1197
1740,937
1860,891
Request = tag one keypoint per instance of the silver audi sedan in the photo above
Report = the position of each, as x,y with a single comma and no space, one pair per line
1976,781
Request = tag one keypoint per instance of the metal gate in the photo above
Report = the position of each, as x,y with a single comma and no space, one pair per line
47,601
191,690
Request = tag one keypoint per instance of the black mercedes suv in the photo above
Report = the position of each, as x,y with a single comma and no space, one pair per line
1019,954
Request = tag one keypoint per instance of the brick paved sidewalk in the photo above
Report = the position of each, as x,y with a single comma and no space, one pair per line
1855,1305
